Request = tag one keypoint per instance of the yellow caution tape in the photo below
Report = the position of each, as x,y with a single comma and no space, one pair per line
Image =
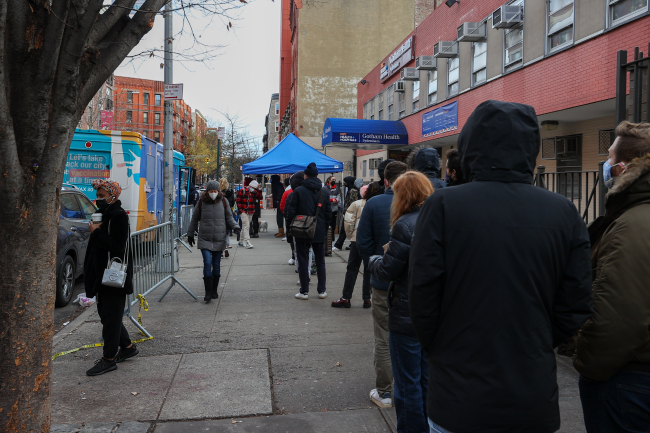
144,305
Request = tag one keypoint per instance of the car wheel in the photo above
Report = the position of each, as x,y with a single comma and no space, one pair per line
65,282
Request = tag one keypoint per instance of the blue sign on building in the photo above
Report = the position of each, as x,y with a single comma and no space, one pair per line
440,120
362,131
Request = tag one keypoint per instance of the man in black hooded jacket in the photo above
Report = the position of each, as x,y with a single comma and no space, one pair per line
427,161
499,275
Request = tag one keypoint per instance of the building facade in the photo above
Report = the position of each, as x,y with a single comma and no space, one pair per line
200,123
99,112
272,124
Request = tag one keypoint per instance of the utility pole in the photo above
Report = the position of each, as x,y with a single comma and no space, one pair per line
168,138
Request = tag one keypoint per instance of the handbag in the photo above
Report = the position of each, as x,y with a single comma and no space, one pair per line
115,272
304,226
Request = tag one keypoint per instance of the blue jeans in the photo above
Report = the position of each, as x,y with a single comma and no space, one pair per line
410,382
211,263
620,404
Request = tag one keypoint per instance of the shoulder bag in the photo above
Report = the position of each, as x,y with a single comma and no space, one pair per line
116,270
304,226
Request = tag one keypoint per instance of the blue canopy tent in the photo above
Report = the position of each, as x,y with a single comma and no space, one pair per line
289,156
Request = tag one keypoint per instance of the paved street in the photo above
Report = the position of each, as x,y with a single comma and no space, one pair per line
256,359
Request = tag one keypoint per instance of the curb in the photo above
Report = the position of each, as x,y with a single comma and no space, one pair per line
72,326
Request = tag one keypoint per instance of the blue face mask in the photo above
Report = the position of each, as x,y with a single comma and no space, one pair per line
607,175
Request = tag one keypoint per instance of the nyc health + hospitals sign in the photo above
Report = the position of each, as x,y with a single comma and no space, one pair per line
397,60
363,137
441,120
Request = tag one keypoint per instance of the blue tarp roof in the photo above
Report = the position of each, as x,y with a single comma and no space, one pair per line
362,131
289,156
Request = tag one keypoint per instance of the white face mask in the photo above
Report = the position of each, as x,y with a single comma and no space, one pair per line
213,195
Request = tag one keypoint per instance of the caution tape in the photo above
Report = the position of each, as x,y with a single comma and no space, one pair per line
144,305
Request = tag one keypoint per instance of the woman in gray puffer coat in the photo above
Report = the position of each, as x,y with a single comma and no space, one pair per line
216,219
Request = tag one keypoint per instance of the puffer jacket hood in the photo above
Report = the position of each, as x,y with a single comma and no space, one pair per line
500,142
426,161
275,178
313,184
297,179
349,181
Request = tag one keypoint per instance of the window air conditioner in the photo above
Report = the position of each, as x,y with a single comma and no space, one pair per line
471,32
399,86
410,74
426,62
507,16
447,49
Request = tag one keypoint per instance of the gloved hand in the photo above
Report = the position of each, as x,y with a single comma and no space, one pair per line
190,240
237,231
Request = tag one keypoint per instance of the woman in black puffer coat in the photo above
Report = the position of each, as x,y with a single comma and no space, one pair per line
409,361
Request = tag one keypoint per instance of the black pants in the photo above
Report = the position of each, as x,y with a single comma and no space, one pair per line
279,218
339,242
354,263
290,240
302,254
255,225
333,223
110,307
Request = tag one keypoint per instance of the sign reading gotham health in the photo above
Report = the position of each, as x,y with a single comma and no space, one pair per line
440,120
397,60
362,131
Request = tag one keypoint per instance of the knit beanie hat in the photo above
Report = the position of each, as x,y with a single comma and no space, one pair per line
311,170
213,184
253,184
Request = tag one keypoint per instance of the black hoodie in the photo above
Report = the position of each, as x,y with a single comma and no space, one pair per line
427,162
499,275
303,200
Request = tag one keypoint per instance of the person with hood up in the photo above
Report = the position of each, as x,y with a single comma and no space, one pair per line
246,198
216,220
499,275
613,353
109,240
352,194
194,195
427,161
305,200
454,175
277,189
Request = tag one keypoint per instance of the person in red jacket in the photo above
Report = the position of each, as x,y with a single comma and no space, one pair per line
246,206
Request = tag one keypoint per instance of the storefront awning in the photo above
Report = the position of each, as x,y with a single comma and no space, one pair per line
364,134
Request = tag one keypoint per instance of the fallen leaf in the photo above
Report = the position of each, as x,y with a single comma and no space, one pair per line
134,393
338,364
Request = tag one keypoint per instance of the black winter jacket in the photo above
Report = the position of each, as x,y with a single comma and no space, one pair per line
373,231
302,201
427,162
277,189
499,275
230,196
101,244
394,267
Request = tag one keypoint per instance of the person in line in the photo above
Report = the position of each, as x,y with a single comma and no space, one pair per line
351,222
255,226
499,275
335,202
380,172
427,161
613,353
246,198
373,233
408,359
109,240
352,194
294,181
454,175
216,220
305,200
193,196
277,190
230,198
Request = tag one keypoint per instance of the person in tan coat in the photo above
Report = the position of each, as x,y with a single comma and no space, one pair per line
613,346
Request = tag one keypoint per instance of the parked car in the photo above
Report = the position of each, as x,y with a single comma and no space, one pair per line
72,240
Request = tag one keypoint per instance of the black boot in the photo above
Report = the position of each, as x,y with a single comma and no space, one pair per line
215,286
207,281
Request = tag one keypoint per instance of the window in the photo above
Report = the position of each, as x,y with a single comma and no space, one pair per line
391,103
513,57
364,164
129,116
70,208
156,118
560,23
277,126
622,10
380,114
452,76
158,99
416,96
479,58
401,100
432,91
129,97
371,109
145,118
87,207
156,136
277,108
145,98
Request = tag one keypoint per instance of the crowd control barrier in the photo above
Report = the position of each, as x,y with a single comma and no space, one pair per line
186,219
154,254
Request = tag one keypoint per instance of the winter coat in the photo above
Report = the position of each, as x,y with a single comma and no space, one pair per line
618,335
352,193
246,200
334,197
258,210
230,196
216,223
101,244
303,202
193,196
499,275
283,201
373,231
427,162
394,267
352,218
277,189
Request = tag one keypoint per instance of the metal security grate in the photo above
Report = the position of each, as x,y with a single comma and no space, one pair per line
606,138
548,148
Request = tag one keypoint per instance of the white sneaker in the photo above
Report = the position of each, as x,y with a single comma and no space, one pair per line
284,239
292,262
302,296
248,245
335,249
381,401
322,295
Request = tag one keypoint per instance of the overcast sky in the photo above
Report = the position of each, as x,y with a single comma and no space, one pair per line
240,80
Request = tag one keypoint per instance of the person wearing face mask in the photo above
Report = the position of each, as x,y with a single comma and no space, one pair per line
216,220
246,207
109,239
612,352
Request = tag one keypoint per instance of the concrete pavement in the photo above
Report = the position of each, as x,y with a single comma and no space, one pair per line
256,359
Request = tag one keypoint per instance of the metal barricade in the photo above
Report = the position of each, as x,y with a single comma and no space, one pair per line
154,254
186,219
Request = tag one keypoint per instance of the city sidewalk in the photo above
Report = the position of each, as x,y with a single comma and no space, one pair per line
256,359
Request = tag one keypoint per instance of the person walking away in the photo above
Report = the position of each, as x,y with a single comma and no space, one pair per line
216,221
351,195
193,196
246,208
305,200
351,221
380,172
408,359
277,189
335,201
454,174
255,226
499,275
427,161
108,240
230,198
613,354
295,181
373,233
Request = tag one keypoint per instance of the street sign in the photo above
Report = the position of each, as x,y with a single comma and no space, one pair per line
173,91
221,131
